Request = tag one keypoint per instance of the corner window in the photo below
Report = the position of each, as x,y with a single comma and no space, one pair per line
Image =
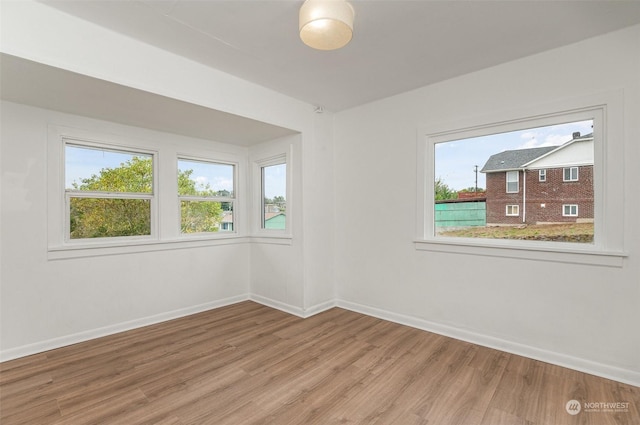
513,210
109,192
570,174
274,196
512,181
206,193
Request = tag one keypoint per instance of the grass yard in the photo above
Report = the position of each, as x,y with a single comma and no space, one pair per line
570,232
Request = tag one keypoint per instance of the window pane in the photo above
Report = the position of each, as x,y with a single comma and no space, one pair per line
274,192
206,216
512,181
209,179
102,170
475,185
100,217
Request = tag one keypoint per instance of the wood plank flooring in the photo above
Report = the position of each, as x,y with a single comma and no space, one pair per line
250,364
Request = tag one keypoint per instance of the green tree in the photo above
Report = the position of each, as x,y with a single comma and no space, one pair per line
472,189
198,216
443,191
108,217
96,217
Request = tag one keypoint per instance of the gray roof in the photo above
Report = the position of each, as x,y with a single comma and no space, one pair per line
514,159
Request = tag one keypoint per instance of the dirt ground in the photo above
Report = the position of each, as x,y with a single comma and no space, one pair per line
570,232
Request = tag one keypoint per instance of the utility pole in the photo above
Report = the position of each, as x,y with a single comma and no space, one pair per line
476,170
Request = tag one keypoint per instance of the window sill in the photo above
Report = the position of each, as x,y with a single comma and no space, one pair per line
556,252
129,247
272,239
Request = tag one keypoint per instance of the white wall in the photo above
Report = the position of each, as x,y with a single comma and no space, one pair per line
47,303
44,303
582,316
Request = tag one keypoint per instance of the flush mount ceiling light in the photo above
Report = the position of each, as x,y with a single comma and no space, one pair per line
326,24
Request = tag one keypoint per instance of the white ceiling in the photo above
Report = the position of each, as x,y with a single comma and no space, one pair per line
397,45
31,83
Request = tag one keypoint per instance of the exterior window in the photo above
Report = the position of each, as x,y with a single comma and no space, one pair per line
109,192
274,192
542,175
207,196
512,181
479,151
569,210
520,170
570,174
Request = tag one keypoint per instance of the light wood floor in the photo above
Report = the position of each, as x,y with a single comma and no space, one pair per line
250,364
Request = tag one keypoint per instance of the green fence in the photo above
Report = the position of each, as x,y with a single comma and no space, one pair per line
461,214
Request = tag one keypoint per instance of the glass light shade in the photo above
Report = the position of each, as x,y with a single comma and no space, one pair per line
326,24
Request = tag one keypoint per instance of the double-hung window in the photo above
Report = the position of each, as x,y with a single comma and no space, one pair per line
274,192
542,175
206,192
512,181
109,192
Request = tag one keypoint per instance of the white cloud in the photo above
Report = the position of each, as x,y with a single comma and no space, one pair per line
201,181
557,139
222,183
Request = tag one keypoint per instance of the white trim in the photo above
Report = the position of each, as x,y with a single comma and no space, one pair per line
39,347
571,168
516,181
278,305
517,208
132,247
607,111
542,175
555,252
569,205
276,155
576,363
291,309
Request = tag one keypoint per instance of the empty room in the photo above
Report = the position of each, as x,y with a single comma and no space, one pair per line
319,212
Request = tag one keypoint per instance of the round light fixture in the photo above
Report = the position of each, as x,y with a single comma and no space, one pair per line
326,24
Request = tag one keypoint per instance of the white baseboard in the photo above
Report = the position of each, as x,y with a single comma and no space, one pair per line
571,362
583,365
39,347
291,309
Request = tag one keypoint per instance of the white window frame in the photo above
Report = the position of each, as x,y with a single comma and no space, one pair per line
258,172
517,181
166,234
571,174
570,206
230,199
542,175
513,208
607,112
69,193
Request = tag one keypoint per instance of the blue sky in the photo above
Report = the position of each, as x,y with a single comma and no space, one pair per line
217,176
81,162
275,181
455,161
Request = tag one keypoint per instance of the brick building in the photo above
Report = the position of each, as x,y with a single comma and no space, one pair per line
551,184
